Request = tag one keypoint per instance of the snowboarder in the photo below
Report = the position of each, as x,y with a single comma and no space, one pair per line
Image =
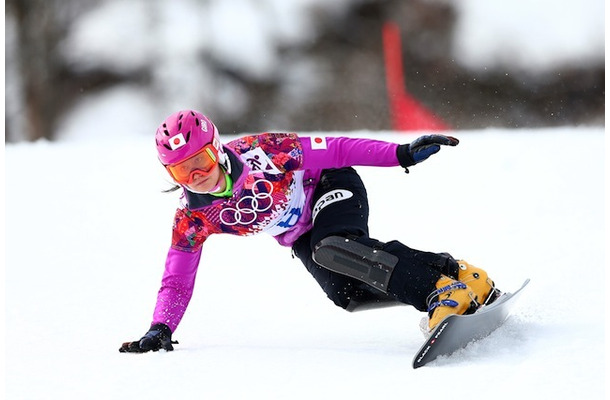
304,192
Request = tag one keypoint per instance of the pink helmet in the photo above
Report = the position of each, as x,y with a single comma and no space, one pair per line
184,133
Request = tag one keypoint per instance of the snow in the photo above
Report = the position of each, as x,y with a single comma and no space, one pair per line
88,229
530,36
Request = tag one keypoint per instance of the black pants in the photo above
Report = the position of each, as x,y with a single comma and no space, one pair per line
341,209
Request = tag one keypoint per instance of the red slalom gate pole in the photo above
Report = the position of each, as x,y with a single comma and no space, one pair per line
406,112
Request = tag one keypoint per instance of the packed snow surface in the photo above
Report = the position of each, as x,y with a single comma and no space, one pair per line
87,231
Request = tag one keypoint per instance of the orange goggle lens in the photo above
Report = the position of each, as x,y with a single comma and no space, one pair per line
202,162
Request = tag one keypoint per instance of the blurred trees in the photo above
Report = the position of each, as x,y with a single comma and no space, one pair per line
335,81
40,85
37,32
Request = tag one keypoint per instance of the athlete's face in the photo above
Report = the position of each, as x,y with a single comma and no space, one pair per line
201,172
206,182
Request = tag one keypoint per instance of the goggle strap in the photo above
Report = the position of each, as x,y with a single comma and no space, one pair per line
211,154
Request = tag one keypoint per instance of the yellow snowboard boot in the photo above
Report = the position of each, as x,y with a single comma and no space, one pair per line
478,281
450,297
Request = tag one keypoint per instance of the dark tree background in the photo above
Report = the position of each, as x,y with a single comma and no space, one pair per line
347,54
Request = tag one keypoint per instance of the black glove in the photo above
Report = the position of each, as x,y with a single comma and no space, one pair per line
422,148
159,336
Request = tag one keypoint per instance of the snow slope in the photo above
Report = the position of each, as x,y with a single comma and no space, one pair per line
88,228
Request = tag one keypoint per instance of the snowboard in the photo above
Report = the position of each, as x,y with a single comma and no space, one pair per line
456,331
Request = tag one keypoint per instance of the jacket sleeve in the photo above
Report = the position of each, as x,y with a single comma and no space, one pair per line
336,152
189,232
176,287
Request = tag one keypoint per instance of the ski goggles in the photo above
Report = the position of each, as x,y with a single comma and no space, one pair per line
202,162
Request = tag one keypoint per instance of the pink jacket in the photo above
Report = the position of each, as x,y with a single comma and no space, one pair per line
274,177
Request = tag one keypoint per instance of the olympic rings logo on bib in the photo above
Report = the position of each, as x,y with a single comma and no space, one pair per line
247,208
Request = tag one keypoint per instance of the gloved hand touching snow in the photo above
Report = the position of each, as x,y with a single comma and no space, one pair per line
158,337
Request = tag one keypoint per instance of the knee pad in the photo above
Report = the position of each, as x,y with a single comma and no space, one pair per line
367,263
